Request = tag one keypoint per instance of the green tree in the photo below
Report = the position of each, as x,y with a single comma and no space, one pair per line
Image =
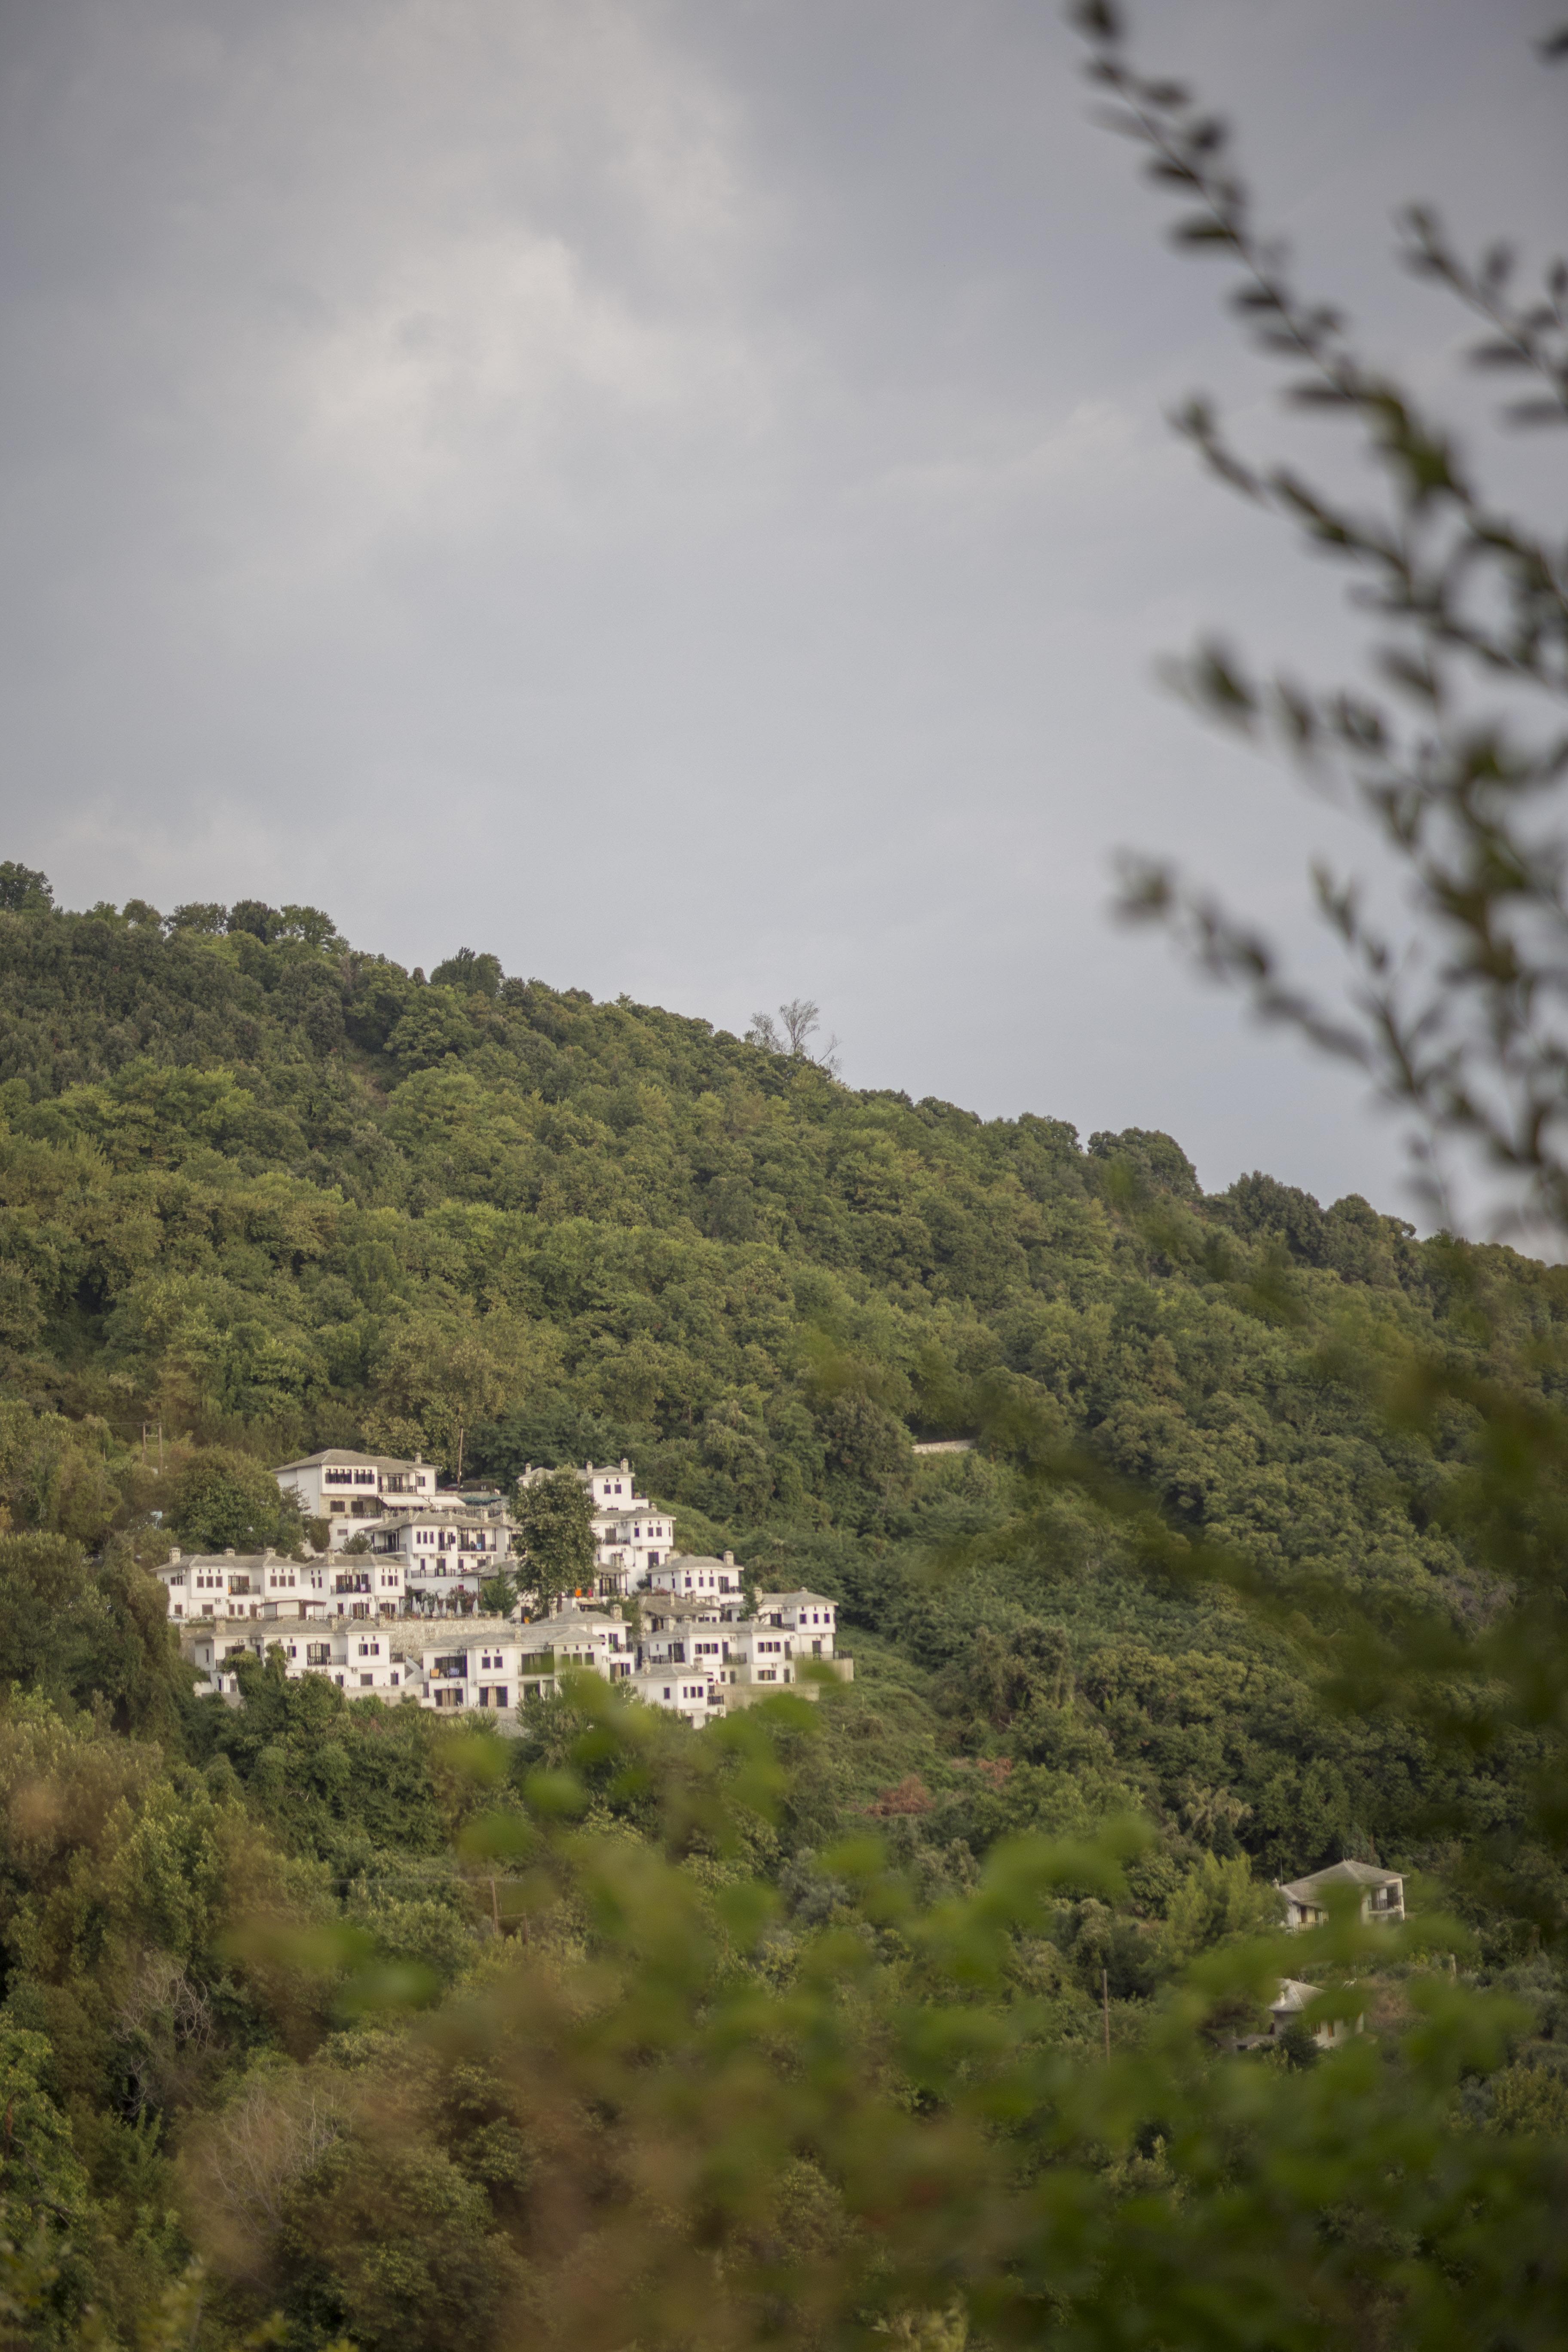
554,1517
89,1631
220,1500
24,890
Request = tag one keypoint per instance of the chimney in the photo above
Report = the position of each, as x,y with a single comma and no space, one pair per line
173,1553
729,1560
229,1551
624,1464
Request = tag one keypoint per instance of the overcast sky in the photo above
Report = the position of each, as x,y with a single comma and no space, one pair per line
676,492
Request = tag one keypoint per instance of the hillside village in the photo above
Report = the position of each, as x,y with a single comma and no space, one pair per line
393,1605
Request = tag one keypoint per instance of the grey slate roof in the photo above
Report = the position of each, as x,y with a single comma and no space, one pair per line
1341,1873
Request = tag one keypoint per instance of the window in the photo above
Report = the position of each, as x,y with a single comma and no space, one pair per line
367,1682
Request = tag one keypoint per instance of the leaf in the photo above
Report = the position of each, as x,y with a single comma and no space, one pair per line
1097,20
1537,412
1200,230
1497,355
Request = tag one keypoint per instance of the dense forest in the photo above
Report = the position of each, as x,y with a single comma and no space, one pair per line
262,1193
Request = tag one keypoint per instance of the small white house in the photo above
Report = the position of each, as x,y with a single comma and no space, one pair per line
696,1573
236,1584
807,1617
1285,2009
483,1674
349,1489
1381,1893
595,1640
442,1558
685,1691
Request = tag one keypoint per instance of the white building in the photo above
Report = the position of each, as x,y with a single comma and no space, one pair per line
631,1535
807,1617
1381,1893
443,1556
695,1572
360,1619
484,1673
1285,2009
360,1658
344,1487
685,1691
230,1584
596,1641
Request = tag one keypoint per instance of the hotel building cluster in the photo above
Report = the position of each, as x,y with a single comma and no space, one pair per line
401,1615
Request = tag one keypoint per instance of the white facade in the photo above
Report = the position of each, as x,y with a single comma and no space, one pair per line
684,1691
1285,2009
682,1572
348,1489
1381,1893
360,1658
807,1617
443,1556
359,1619
483,1674
241,1584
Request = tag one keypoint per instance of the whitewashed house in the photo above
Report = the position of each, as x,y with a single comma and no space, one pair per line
483,1674
598,1640
350,1489
1285,2009
683,1690
443,1556
1381,1893
694,1572
230,1584
807,1617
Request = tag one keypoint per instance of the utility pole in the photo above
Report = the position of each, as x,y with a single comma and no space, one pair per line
460,1454
1105,2005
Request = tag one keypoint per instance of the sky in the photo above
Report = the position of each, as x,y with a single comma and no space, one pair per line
678,493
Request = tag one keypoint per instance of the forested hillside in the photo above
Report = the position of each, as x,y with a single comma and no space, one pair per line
262,1191
272,1194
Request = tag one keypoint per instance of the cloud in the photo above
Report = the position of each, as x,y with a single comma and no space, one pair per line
679,495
